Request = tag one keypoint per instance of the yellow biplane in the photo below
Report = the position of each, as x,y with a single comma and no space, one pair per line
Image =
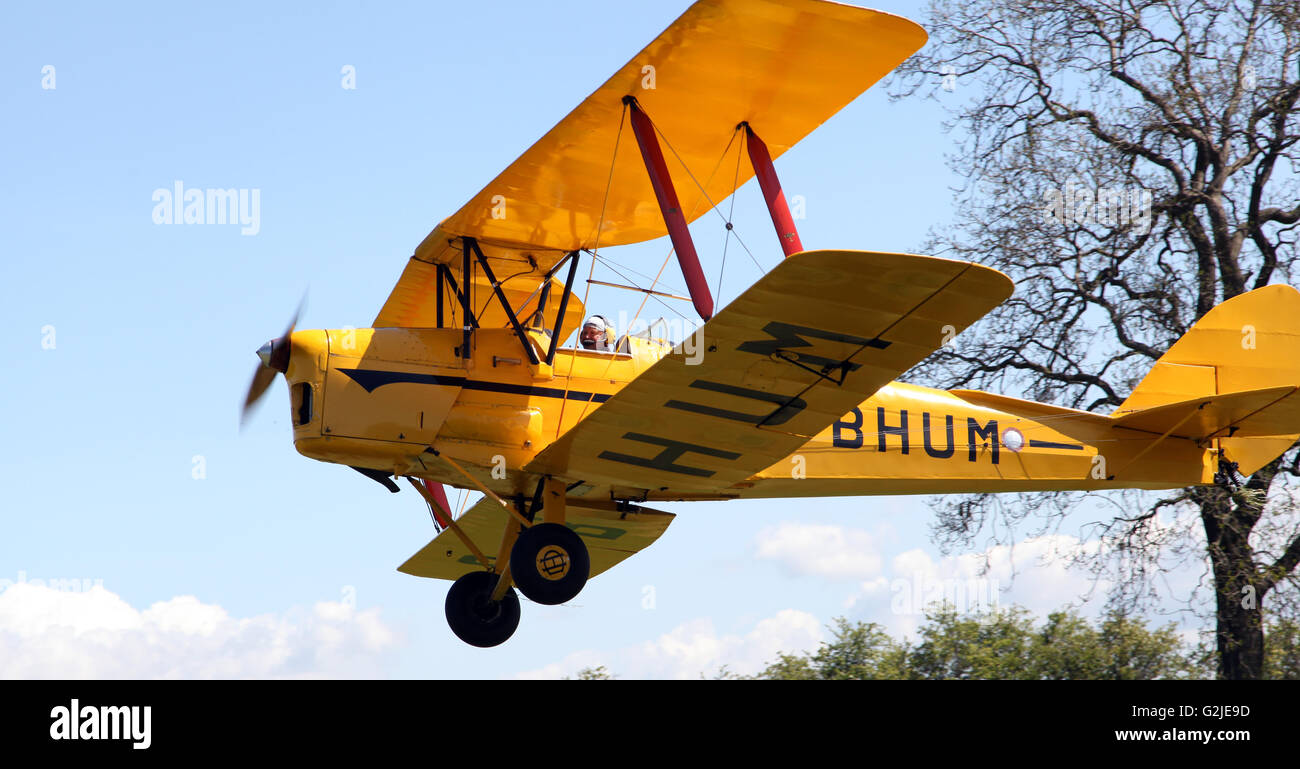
787,391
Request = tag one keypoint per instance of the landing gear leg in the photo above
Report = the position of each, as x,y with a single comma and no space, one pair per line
549,563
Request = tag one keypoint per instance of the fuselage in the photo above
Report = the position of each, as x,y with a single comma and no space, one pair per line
395,400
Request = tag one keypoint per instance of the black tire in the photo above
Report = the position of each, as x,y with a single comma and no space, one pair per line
474,617
549,563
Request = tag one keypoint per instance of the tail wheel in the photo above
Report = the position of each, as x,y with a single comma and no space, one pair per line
549,563
474,617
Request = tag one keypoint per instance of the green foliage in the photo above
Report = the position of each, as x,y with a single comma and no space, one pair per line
1282,651
598,673
1121,648
1005,644
1131,652
858,651
983,645
996,644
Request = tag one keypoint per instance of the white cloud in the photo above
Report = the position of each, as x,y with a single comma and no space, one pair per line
47,633
834,552
694,648
1032,574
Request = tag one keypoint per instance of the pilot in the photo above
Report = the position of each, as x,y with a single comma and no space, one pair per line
597,334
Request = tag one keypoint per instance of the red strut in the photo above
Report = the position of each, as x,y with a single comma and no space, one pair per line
439,494
672,211
776,205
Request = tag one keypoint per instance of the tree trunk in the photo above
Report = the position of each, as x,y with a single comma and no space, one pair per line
1239,631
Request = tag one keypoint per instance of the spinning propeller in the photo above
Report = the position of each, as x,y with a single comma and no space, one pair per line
275,357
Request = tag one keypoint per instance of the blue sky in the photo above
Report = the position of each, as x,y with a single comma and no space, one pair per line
130,344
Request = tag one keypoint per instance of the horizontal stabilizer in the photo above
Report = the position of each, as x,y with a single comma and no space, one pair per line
1269,411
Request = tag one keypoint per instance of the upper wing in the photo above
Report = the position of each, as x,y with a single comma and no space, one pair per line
785,66
801,347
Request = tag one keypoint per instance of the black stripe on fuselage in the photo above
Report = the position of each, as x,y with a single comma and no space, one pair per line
1033,444
372,379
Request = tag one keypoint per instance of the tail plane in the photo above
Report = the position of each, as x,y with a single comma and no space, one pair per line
1234,376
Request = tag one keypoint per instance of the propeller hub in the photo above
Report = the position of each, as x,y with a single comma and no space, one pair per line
264,353
275,354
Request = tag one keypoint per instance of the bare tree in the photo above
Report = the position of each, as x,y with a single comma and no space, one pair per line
1130,163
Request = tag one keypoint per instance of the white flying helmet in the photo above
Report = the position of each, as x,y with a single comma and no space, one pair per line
602,335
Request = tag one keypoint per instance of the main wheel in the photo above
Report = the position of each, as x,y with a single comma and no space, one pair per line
549,563
474,617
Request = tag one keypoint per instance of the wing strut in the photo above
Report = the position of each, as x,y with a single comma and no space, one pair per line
470,244
556,334
772,193
671,209
466,312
